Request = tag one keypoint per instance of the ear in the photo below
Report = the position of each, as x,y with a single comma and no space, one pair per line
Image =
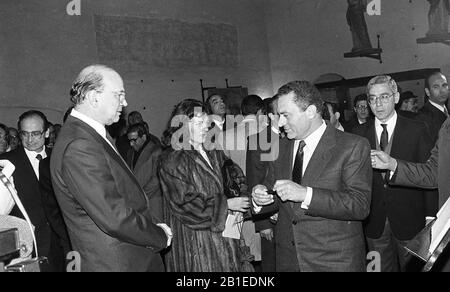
338,115
427,92
311,111
92,97
47,133
396,97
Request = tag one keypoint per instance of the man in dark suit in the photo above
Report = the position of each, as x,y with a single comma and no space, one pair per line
33,129
434,112
262,151
397,214
143,161
362,113
429,175
323,185
106,211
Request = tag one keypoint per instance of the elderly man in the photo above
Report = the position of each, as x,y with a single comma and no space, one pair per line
105,208
323,179
397,214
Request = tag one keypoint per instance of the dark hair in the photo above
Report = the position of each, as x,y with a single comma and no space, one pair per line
251,104
207,105
306,94
326,113
136,117
89,79
358,98
138,128
6,129
67,114
427,79
33,113
187,107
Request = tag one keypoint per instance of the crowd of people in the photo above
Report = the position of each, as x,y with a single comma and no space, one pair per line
289,185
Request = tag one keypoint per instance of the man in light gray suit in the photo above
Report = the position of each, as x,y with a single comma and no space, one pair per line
323,186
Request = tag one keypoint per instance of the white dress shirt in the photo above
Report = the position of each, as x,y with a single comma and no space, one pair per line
99,128
438,106
391,123
34,161
311,144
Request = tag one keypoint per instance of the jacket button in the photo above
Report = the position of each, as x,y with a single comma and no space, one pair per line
294,222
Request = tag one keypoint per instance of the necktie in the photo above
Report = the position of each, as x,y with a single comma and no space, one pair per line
39,157
446,111
384,140
298,164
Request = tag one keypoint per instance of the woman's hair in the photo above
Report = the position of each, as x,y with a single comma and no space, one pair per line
187,108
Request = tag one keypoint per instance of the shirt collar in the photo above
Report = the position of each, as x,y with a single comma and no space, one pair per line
314,138
99,128
390,123
438,106
32,154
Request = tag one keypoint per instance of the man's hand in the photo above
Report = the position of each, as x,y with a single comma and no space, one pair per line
260,196
167,231
381,160
240,204
267,234
290,191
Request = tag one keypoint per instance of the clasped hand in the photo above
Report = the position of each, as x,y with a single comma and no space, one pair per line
285,189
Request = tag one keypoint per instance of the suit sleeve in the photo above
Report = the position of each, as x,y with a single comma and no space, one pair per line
431,197
421,175
88,176
151,185
353,203
51,207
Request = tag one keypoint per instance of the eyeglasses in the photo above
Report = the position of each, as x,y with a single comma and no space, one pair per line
34,134
384,98
362,107
133,139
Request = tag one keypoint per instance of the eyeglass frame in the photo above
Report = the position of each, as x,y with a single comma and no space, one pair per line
382,99
34,134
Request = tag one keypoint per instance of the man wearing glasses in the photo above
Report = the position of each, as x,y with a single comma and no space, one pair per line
362,113
33,129
397,214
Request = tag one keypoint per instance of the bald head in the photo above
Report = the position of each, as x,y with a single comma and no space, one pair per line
99,93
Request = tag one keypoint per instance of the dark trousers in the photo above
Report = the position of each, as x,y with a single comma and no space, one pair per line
394,256
268,255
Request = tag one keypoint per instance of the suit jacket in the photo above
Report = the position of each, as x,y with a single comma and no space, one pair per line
104,207
51,207
27,186
434,119
260,168
329,235
146,173
431,174
406,208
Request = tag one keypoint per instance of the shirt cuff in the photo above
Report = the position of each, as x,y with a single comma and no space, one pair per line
308,198
256,208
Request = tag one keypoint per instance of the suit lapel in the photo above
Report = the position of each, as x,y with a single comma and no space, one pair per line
400,136
320,157
96,136
28,166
